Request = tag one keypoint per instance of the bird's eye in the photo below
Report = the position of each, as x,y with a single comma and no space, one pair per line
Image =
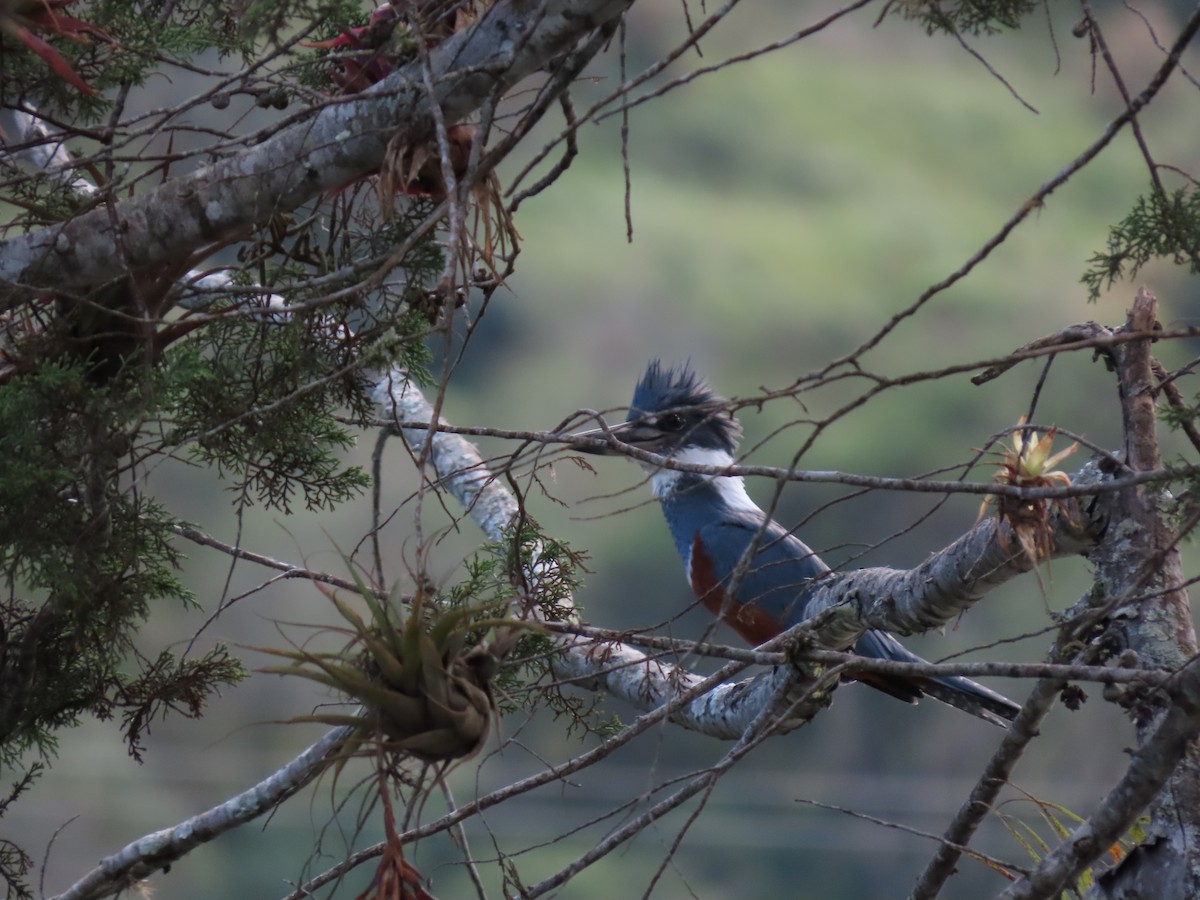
670,422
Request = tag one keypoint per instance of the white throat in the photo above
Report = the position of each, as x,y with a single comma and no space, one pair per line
731,488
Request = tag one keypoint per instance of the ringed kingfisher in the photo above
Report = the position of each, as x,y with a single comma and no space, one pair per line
714,524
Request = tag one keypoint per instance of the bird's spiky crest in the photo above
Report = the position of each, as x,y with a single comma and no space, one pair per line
664,388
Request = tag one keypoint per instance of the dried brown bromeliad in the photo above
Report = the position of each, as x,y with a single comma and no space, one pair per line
1030,464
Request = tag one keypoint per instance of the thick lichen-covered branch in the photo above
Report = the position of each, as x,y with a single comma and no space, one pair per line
721,710
343,141
918,599
158,850
928,596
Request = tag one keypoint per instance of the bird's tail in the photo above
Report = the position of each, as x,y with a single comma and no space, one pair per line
954,690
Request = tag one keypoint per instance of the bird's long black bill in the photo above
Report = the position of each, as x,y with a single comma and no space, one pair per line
635,434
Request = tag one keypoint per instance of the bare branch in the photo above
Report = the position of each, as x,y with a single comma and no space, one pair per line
996,774
1149,769
1144,611
759,728
156,851
1073,334
288,570
1039,197
28,143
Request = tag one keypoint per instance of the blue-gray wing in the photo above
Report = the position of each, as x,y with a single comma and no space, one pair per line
771,594
776,581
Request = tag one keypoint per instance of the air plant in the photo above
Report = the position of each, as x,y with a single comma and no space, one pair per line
1030,464
422,680
420,671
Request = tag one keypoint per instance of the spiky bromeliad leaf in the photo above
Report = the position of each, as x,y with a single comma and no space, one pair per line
422,690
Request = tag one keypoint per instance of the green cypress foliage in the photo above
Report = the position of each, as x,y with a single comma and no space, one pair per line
973,17
1160,226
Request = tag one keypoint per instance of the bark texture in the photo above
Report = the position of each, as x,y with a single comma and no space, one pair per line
343,141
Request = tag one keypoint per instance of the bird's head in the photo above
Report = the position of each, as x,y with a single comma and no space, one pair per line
674,412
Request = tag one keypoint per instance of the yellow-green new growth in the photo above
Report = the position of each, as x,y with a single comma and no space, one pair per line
1031,459
1029,464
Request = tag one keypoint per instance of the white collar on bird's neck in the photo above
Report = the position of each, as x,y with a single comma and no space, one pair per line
730,488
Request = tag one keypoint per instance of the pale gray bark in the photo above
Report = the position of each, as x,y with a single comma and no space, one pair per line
28,143
343,141
918,599
930,595
155,851
1144,612
911,601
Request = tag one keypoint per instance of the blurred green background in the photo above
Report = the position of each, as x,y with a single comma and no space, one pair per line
783,211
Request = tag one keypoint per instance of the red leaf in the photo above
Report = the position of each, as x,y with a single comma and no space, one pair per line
51,57
346,38
68,27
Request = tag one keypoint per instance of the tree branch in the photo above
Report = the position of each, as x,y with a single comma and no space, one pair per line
340,143
904,601
915,599
1149,769
908,601
148,854
721,710
999,768
1147,617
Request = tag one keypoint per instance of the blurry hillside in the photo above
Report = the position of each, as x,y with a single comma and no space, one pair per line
783,210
